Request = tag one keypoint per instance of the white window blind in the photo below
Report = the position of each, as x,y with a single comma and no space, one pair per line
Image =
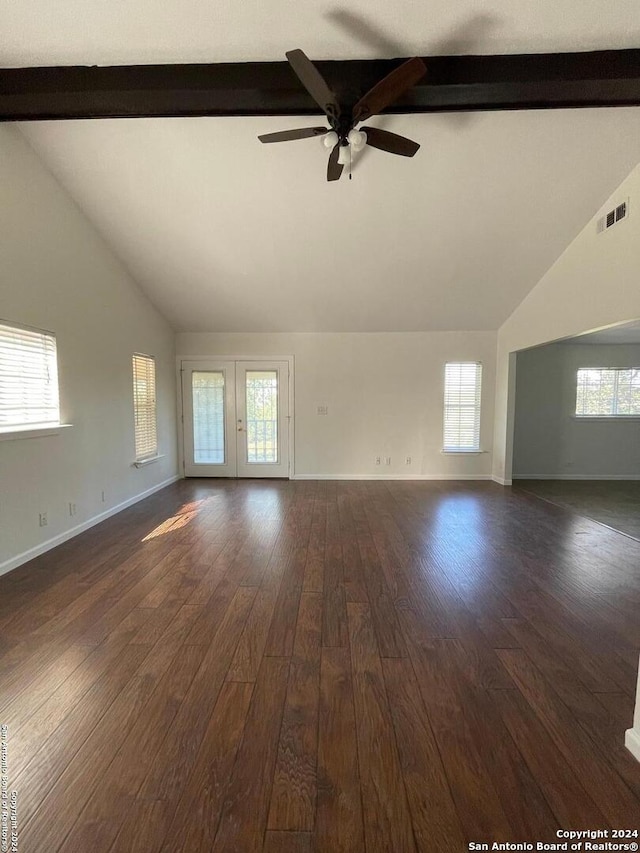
28,378
462,389
605,392
144,404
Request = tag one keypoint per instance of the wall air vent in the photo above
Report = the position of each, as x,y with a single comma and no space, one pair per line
613,217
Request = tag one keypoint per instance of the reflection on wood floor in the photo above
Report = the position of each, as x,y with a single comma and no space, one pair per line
322,666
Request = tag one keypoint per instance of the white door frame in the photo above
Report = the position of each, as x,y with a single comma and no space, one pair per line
217,357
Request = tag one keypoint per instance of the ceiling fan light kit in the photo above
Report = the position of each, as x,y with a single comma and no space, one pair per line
357,139
330,139
342,137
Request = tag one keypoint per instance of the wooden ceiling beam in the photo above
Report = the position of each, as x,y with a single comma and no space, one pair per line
453,83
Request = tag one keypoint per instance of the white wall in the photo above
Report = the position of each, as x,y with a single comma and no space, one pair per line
632,736
384,392
595,283
57,274
549,440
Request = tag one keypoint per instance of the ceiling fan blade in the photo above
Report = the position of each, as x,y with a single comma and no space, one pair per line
313,82
334,169
389,89
289,135
391,142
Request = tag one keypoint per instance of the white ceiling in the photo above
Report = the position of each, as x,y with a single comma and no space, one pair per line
42,32
224,233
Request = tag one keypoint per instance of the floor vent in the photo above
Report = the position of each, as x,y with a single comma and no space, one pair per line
613,217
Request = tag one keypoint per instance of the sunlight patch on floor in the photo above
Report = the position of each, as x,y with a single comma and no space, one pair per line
185,514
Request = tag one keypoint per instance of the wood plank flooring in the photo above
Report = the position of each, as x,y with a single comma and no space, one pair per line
615,503
322,667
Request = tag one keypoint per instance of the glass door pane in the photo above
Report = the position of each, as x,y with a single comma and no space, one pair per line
262,394
208,415
262,417
207,390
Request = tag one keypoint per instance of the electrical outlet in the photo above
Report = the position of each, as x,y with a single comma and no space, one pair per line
103,498
387,460
43,519
407,460
377,460
72,508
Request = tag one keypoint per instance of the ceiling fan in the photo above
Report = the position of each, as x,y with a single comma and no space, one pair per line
342,135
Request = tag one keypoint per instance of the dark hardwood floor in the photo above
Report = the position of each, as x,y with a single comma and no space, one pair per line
322,666
615,503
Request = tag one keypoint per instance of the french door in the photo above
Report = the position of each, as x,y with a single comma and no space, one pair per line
236,418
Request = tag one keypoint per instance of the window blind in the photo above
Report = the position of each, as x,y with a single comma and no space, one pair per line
462,390
605,392
144,404
28,377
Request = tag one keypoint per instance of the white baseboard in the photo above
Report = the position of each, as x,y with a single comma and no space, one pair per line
632,742
43,547
577,477
390,477
501,481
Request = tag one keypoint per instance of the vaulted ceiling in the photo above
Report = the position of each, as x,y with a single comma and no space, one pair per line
68,32
226,234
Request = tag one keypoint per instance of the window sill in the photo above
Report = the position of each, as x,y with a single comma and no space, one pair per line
606,417
35,431
461,452
142,463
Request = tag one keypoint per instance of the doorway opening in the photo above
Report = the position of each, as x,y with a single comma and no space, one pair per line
577,416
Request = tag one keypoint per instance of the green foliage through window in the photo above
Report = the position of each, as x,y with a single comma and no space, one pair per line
606,392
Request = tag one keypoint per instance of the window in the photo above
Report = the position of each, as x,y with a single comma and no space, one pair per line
605,392
28,378
144,404
462,383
